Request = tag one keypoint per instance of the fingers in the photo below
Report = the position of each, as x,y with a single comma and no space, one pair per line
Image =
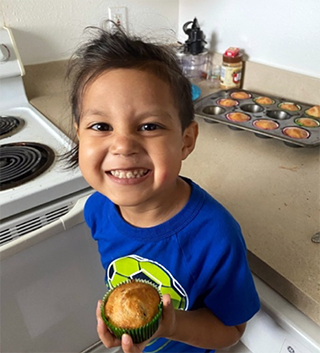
103,332
168,323
129,347
166,299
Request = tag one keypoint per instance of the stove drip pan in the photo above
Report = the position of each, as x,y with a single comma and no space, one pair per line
23,161
10,125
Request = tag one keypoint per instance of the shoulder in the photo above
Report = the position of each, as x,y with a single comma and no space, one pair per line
212,212
95,207
213,227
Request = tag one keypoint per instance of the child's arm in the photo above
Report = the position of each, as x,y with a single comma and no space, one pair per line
198,328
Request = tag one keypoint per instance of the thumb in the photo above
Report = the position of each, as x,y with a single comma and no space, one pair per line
127,344
166,299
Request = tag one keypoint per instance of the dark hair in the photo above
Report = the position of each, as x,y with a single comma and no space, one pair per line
114,50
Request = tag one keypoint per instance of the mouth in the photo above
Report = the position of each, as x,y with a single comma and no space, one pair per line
129,174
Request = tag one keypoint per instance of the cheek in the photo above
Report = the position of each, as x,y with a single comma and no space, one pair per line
169,164
88,155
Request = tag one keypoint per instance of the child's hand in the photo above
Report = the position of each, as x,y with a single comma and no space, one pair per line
166,328
106,337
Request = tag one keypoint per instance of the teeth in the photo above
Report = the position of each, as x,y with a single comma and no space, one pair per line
124,174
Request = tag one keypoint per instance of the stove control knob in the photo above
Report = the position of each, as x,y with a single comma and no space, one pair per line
4,53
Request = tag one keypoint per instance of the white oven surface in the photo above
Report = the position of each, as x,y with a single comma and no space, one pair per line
52,184
55,182
51,280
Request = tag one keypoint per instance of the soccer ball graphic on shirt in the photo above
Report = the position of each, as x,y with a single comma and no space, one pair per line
136,267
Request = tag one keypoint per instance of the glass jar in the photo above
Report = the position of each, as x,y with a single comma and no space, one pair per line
231,71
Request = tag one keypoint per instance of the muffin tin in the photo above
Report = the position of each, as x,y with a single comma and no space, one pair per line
278,118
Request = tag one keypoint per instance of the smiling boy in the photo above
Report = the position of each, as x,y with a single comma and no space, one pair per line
134,118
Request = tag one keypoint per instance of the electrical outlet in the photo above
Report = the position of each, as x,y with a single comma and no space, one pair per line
119,16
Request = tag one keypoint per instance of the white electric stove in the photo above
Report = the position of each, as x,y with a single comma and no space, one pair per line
33,142
50,271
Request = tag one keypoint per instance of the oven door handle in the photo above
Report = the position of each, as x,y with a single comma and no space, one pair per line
75,215
73,218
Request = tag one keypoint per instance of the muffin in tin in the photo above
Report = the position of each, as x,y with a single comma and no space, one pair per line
263,100
238,117
289,106
240,95
307,122
296,132
133,307
227,102
266,124
314,111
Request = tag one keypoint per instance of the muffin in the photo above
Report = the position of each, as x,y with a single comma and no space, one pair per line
265,124
307,122
240,95
314,111
226,102
296,132
238,117
133,307
264,100
292,107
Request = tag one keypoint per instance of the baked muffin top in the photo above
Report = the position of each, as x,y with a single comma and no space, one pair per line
314,111
264,100
240,95
289,106
240,117
227,102
266,124
132,305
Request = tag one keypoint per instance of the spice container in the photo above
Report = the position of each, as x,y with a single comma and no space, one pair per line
231,68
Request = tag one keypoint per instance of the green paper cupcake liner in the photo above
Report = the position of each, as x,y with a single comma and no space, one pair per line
140,334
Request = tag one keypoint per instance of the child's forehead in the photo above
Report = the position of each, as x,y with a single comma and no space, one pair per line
130,90
130,82
126,73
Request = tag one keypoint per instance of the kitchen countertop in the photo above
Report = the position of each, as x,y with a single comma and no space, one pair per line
273,190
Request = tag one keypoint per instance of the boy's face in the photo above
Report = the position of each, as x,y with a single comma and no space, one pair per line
130,141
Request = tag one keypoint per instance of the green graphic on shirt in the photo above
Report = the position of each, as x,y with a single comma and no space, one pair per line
136,267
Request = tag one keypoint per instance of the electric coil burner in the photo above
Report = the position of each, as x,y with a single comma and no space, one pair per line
10,125
31,174
21,162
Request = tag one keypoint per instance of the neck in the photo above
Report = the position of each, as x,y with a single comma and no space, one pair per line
165,207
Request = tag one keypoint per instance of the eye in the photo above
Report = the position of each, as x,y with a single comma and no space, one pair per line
101,127
150,127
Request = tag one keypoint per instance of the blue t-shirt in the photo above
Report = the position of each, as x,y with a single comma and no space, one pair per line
198,257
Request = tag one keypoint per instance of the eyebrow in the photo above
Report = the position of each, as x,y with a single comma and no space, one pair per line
93,112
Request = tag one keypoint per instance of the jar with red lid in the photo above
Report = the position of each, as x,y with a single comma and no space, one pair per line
231,68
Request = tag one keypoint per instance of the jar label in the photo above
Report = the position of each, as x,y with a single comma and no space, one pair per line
230,76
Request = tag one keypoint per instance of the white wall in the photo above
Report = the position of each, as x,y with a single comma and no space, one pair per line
49,30
278,33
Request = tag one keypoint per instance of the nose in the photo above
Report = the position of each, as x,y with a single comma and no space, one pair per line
124,145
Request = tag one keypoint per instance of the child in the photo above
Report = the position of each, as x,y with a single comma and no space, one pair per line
134,117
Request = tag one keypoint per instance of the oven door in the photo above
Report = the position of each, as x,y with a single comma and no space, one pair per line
51,281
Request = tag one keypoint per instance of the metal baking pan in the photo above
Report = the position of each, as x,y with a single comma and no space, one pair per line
275,117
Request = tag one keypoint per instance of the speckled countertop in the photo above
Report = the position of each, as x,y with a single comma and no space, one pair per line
273,190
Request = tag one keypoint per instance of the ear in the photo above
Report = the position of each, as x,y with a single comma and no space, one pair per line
189,137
